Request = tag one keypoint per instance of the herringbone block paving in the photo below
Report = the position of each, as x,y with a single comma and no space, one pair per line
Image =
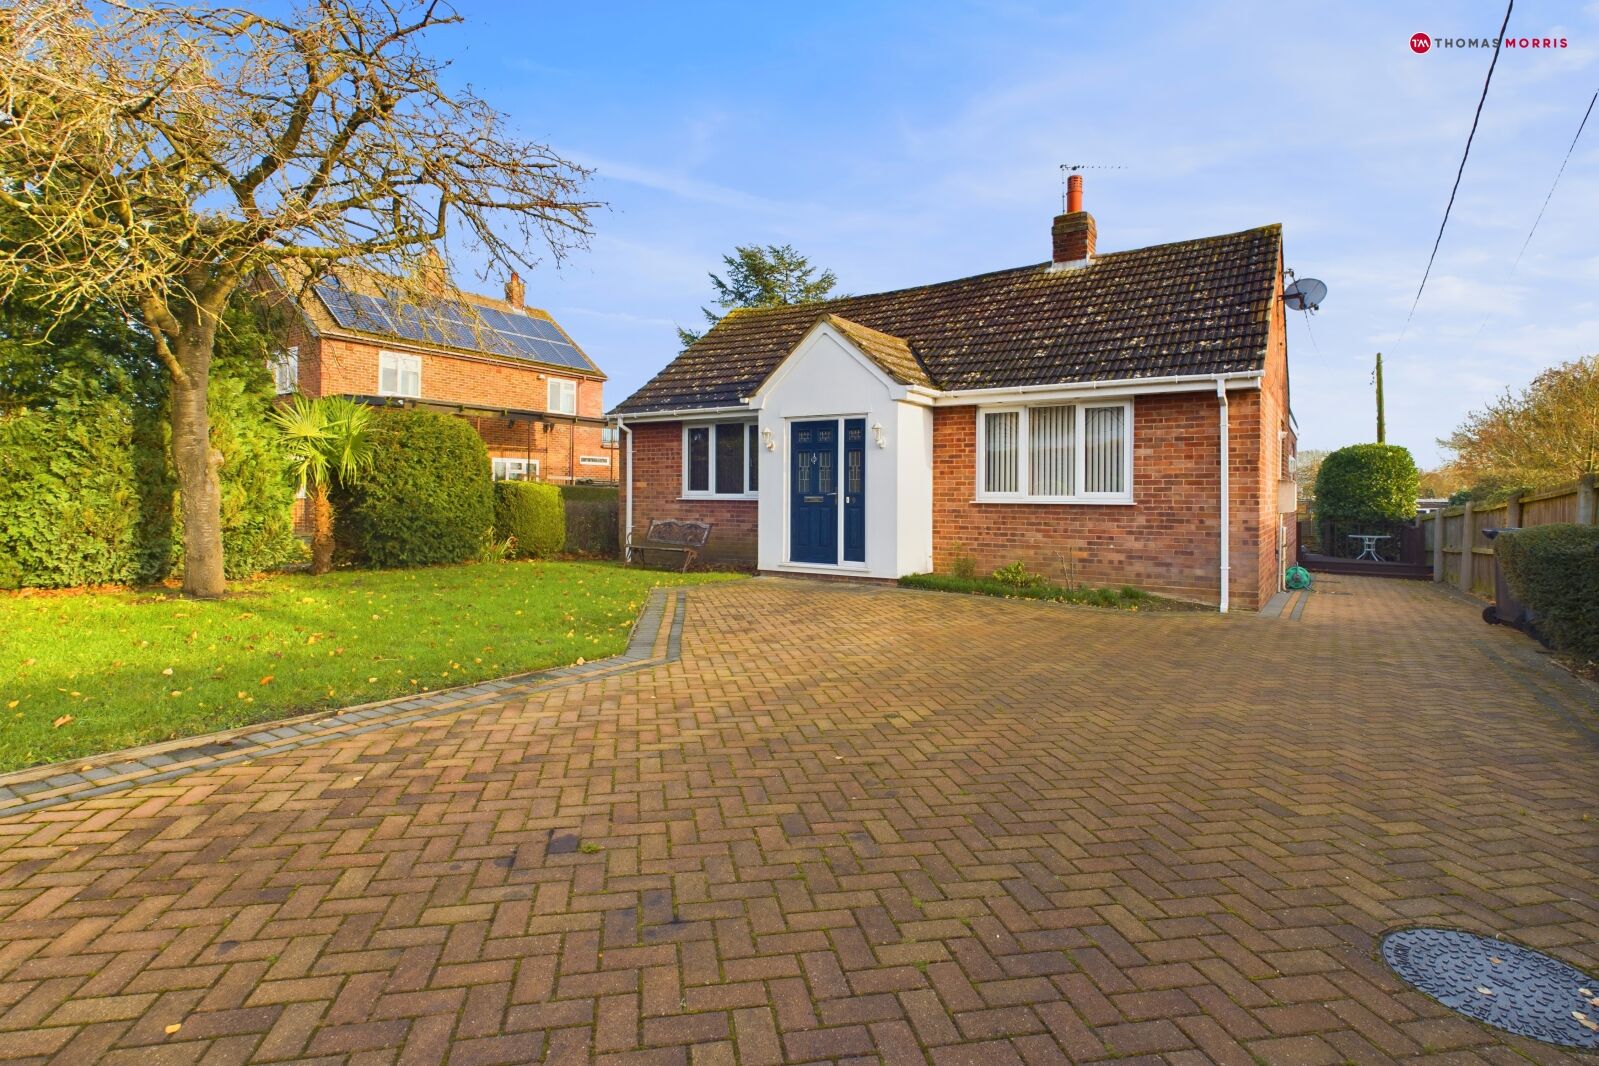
849,824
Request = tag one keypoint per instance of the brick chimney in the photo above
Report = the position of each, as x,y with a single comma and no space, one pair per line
515,291
432,272
1073,232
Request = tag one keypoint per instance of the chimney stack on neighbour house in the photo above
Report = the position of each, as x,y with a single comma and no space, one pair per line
515,291
433,273
1073,232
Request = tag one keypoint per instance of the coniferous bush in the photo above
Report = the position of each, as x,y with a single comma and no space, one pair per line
1367,483
532,516
427,499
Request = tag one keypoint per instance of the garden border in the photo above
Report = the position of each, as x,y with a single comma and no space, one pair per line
656,639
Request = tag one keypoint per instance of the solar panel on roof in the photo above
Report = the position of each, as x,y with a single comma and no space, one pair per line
452,323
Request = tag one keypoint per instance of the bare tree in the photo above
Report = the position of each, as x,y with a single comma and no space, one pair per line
159,156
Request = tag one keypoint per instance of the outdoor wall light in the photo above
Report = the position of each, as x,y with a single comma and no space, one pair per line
877,435
769,440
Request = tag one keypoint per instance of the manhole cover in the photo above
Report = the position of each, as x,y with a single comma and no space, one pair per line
1510,987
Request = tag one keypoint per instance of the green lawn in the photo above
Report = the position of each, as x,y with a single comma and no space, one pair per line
89,672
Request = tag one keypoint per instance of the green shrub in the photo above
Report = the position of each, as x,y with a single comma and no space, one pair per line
73,488
1038,588
531,516
1018,576
87,492
591,520
1367,483
1554,570
428,498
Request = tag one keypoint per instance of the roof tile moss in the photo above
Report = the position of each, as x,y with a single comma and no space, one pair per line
1193,307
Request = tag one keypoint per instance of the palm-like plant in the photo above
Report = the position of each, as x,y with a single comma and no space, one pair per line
328,439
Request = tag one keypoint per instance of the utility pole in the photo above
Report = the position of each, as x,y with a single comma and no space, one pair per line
1382,423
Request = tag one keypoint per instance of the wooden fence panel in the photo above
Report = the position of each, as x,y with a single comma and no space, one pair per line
1465,546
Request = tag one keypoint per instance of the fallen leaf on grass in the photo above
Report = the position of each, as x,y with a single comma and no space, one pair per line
12,705
267,680
65,719
167,672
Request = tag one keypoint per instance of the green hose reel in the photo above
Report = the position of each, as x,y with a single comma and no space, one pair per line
1297,577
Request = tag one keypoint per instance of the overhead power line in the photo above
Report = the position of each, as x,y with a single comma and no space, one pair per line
1462,170
1556,182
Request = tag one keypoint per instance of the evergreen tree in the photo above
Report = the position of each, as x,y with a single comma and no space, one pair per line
771,276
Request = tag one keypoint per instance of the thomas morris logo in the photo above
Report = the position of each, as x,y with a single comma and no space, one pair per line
1421,43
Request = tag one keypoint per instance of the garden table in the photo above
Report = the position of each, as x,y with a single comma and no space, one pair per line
1368,545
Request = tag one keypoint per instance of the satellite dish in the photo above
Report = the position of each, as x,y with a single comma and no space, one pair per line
1305,294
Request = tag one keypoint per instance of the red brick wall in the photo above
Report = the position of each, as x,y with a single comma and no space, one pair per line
331,365
658,488
1276,444
1166,542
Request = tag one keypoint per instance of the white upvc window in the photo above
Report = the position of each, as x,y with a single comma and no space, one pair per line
1056,453
563,396
399,375
515,469
609,437
286,370
719,459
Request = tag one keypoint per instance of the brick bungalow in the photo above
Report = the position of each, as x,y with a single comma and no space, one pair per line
531,393
1071,415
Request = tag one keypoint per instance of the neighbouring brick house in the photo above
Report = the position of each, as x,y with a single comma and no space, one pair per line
1071,416
531,393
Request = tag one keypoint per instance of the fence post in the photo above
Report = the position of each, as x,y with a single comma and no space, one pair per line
1468,538
1587,509
1513,512
1438,545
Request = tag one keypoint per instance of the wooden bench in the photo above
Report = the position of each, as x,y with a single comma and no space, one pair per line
672,535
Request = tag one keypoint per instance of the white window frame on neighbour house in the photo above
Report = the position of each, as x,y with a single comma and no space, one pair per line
510,468
401,366
559,389
286,370
1018,472
749,464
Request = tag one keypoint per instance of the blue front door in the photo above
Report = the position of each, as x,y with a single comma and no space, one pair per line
813,482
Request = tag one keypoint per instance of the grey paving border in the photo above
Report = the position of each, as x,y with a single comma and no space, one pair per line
115,771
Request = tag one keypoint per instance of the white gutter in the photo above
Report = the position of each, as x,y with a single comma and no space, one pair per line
1226,502
627,534
682,413
1171,383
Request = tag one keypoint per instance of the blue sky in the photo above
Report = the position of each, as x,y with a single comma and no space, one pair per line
906,143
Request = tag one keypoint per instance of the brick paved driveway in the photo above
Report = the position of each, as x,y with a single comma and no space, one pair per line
848,823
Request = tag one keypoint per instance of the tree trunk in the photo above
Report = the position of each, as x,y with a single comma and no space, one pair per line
321,530
197,464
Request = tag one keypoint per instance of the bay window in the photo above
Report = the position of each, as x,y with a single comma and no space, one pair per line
719,459
1056,453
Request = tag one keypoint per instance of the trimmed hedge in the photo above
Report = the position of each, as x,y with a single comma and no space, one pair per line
74,483
1367,483
531,513
1554,570
592,525
428,498
87,491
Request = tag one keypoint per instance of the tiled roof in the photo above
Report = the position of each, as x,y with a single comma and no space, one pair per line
891,353
1194,307
362,304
